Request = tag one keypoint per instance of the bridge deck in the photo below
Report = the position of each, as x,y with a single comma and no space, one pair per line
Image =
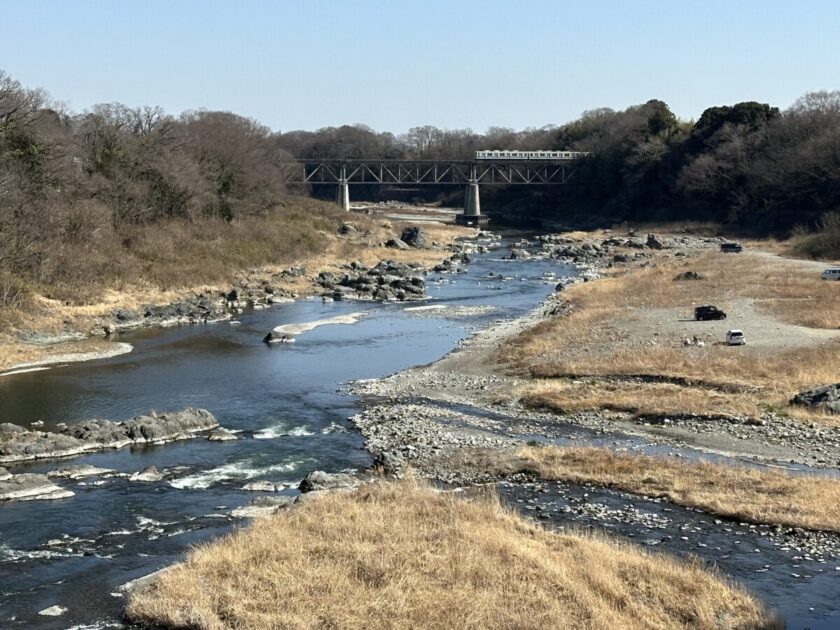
428,172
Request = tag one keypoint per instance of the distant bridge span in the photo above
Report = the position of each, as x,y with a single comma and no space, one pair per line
496,171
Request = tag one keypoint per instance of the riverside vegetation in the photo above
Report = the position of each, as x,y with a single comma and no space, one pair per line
119,208
404,556
117,212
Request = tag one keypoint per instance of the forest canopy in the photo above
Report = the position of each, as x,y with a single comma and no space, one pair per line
91,180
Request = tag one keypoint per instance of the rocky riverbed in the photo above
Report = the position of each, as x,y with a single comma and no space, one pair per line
455,422
446,421
467,376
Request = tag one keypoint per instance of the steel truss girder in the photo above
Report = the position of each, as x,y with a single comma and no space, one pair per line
432,173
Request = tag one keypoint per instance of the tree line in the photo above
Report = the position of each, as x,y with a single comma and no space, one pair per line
72,182
77,186
749,165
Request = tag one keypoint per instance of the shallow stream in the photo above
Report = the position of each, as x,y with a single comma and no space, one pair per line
285,404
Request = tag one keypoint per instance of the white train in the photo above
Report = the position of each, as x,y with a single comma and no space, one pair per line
529,155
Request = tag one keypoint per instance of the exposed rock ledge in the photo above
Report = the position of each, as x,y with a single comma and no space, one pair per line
28,487
19,444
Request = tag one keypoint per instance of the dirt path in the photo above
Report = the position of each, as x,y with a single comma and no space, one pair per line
763,331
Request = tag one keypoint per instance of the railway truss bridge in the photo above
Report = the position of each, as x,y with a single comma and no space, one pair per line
488,172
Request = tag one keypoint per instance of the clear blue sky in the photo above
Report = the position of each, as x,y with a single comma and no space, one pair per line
397,64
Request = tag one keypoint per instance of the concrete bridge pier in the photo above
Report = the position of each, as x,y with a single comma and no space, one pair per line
343,198
472,207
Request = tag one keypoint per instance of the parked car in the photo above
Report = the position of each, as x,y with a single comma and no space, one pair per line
832,273
731,248
735,338
707,312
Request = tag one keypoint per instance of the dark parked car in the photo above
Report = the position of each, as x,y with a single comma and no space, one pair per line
706,312
731,248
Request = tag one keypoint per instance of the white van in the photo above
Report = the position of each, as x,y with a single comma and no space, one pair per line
735,338
831,274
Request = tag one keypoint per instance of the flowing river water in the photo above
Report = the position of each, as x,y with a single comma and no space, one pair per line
284,401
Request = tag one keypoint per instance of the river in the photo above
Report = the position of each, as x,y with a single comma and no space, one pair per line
284,400
287,403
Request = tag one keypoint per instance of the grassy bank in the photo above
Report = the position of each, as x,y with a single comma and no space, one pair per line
822,243
632,323
403,556
167,256
169,260
756,496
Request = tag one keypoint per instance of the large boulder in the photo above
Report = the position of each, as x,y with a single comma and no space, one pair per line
320,480
519,254
688,275
262,507
150,473
275,337
414,236
169,426
78,471
396,243
654,242
826,398
222,435
28,487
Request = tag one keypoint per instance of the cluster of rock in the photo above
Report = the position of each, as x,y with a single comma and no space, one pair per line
208,307
590,255
454,263
668,528
19,444
611,249
802,442
204,308
318,480
315,484
418,434
688,275
826,398
388,280
411,236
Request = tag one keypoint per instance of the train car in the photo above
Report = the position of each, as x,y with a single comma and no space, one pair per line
504,154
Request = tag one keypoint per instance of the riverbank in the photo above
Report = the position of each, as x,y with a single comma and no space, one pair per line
402,555
655,392
55,331
622,353
286,394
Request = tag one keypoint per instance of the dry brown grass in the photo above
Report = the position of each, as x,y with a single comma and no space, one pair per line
601,336
568,395
403,556
821,244
781,286
756,496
